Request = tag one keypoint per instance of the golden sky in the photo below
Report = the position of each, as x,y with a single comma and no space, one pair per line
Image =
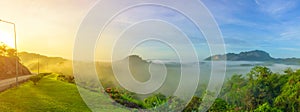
47,27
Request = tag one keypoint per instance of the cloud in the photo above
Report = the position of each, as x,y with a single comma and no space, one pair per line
276,7
289,49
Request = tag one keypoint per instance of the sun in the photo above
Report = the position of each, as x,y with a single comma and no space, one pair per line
7,38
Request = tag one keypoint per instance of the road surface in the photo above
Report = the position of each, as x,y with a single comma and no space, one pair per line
8,83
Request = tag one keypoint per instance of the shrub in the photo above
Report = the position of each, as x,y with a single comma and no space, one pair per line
124,98
69,79
36,78
266,108
155,100
193,105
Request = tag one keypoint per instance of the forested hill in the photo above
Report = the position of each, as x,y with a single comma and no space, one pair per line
255,55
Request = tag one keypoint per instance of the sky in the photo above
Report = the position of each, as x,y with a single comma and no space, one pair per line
270,25
50,27
47,27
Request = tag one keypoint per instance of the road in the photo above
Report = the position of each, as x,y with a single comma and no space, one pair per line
8,83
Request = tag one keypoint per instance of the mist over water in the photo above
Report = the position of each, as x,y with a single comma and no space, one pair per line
174,74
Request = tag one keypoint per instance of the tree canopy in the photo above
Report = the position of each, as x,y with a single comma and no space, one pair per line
7,51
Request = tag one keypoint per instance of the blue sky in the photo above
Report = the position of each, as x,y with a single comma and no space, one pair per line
270,25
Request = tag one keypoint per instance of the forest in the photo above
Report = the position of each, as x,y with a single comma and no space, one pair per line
260,90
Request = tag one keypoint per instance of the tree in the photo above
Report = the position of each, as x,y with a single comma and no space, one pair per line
262,88
289,99
266,108
3,48
7,51
11,52
233,90
220,105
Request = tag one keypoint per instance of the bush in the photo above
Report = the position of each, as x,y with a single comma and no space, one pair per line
193,105
219,105
155,100
69,79
124,98
36,78
266,108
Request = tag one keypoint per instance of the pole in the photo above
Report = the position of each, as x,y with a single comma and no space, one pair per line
15,36
17,63
38,64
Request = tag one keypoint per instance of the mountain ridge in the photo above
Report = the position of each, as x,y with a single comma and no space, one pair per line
254,55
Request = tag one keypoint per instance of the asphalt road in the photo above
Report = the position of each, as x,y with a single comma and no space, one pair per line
8,83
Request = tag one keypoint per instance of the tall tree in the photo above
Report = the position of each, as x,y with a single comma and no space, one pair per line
289,99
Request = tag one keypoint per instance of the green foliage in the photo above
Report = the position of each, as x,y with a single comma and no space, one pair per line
69,79
219,105
7,51
262,87
289,99
124,98
263,90
193,105
155,100
234,90
266,108
260,90
36,78
173,104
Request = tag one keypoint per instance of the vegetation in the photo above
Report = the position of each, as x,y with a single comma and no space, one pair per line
38,77
37,62
256,55
7,51
259,90
49,95
8,63
263,90
35,79
66,78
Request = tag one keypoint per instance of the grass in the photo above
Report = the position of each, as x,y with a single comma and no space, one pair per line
49,95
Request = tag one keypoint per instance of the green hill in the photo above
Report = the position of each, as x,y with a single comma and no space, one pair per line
49,95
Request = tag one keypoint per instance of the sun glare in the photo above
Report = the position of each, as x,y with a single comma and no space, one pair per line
7,38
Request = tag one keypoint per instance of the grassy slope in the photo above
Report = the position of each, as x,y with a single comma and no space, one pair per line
48,95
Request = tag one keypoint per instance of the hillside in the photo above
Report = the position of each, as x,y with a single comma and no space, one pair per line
49,95
8,68
46,64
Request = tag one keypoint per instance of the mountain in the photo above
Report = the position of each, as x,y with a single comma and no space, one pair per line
255,55
138,67
46,64
8,68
